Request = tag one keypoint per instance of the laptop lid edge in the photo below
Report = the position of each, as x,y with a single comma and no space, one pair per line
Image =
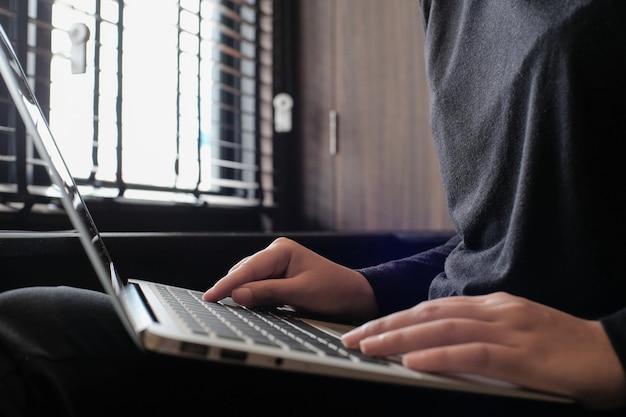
23,98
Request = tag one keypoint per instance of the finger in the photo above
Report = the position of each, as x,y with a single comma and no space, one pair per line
238,264
269,292
266,263
438,333
452,307
254,268
489,360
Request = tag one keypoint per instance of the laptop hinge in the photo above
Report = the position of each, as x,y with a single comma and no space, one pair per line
140,314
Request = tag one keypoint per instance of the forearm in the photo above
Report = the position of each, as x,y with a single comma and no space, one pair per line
402,283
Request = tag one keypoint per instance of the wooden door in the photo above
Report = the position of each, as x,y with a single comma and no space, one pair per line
364,59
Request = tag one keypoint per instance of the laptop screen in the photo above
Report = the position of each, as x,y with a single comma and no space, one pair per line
63,184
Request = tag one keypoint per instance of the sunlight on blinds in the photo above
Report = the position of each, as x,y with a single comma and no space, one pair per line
186,97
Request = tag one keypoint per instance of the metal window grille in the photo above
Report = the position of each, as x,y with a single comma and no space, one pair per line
174,103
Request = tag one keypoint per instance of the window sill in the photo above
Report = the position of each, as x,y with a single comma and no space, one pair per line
137,216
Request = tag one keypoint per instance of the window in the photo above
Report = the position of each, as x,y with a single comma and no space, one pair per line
173,103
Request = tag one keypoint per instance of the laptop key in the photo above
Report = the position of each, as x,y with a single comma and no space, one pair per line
262,327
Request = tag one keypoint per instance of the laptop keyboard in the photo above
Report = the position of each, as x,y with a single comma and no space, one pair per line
262,327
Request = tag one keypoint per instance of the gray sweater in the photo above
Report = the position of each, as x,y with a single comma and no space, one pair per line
528,111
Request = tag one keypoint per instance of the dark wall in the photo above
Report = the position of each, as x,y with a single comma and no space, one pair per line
193,260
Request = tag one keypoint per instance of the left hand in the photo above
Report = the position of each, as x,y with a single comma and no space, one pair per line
503,337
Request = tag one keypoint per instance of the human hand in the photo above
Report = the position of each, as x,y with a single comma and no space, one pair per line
503,337
288,273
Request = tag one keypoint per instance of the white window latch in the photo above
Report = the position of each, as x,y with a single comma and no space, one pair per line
79,34
283,104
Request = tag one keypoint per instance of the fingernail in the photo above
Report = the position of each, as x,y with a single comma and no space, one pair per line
369,345
206,294
351,338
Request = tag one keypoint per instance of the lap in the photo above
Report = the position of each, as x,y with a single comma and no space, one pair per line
64,352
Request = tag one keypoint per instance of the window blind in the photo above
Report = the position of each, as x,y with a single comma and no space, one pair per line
173,103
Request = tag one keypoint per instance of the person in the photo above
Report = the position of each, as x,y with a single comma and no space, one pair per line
526,112
527,103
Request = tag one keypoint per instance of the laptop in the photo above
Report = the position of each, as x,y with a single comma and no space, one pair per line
175,321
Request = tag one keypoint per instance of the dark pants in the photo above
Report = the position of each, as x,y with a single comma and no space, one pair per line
65,353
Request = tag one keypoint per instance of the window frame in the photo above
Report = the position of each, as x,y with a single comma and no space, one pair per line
114,214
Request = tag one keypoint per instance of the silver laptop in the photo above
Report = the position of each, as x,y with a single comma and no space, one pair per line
175,321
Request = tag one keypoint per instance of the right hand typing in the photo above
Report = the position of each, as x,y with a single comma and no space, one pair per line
287,273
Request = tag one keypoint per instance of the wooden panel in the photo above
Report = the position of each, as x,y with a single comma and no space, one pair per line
364,58
313,104
387,172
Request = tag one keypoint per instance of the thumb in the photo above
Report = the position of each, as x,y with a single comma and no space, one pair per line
270,292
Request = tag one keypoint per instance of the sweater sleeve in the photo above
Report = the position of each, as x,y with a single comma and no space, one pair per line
402,283
615,327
